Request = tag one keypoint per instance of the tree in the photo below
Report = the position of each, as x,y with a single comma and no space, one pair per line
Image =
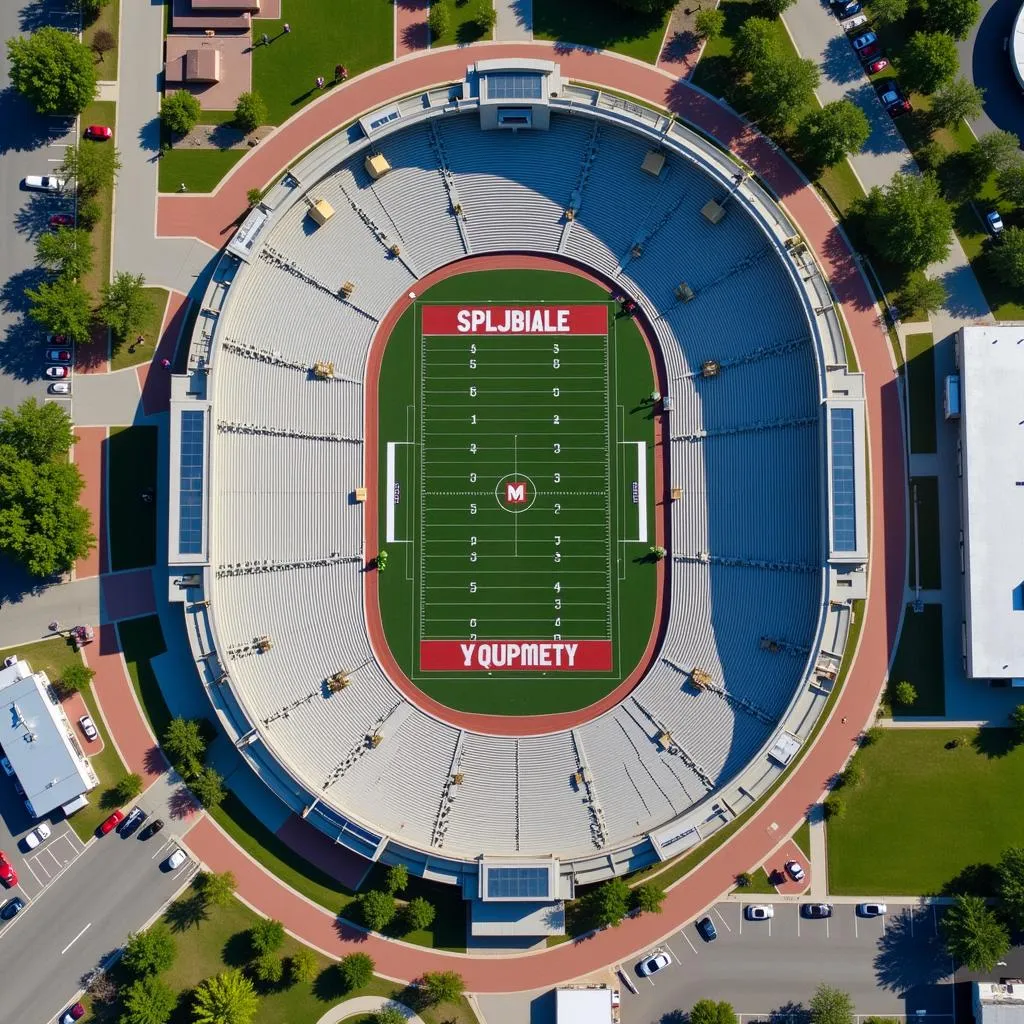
831,1006
254,196
389,1014
129,786
184,741
419,914
995,151
440,19
954,17
378,909
268,969
125,304
397,878
302,966
149,1000
266,936
93,166
648,898
709,23
755,42
610,902
975,937
744,880
888,12
149,952
208,787
89,212
929,61
1017,722
486,15
852,775
1010,182
834,807
905,693
1010,872
782,84
707,1011
90,8
910,222
923,294
827,135
180,112
53,71
250,111
62,306
442,987
357,970
66,251
226,998
103,41
1007,262
38,431
957,101
778,6
216,887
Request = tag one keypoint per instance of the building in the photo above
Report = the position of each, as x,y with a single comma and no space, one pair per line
38,740
994,1003
590,1004
991,460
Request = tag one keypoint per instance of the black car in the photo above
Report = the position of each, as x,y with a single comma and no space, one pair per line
816,910
11,908
151,829
707,929
136,816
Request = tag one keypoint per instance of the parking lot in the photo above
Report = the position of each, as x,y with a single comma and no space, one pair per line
893,964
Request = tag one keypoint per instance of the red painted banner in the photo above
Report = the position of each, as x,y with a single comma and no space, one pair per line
516,655
550,319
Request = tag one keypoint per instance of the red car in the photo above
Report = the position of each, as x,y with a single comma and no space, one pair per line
111,823
62,220
98,132
877,65
7,873
869,51
58,355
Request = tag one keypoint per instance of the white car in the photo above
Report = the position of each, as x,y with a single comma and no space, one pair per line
872,909
176,859
657,961
38,835
86,724
760,912
994,222
43,183
59,387
796,871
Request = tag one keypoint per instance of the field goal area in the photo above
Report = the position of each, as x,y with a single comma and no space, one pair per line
515,496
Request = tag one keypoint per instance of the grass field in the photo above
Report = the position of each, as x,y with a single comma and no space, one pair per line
563,417
131,469
120,356
141,640
604,25
921,379
907,828
919,660
198,169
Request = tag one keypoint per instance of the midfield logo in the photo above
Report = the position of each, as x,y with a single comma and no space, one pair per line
515,493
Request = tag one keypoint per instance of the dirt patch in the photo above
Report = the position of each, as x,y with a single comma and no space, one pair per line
222,136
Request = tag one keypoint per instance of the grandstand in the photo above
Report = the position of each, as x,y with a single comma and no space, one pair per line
768,536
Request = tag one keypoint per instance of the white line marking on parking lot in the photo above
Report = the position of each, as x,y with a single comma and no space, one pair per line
28,864
688,942
76,938
721,918
672,952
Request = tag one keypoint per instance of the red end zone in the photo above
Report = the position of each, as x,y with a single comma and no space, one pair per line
454,320
516,655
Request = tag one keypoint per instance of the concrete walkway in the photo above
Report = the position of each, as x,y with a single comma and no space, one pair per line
515,21
366,1004
819,856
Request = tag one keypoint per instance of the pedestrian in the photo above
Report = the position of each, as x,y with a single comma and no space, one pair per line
140,340
287,28
843,721
319,81
183,187
165,363
266,39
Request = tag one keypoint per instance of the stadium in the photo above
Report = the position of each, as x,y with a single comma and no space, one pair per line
728,426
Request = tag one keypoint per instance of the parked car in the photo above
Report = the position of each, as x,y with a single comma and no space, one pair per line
98,132
874,66
6,765
38,835
869,52
760,912
616,998
892,98
43,183
854,23
871,909
176,859
86,724
151,829
18,787
109,824
59,387
57,371
7,873
795,870
846,8
994,222
58,355
816,910
707,930
62,220
865,39
657,961
73,1013
11,908
136,816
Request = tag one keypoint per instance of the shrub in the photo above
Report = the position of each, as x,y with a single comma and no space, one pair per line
378,909
128,787
268,969
302,966
397,878
357,970
852,775
486,15
744,880
76,677
103,42
266,936
440,19
709,23
180,112
254,196
905,694
419,914
250,111
834,807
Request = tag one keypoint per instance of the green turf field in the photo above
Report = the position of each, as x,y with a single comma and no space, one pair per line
562,556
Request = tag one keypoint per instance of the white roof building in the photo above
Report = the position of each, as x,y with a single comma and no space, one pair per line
992,500
39,742
591,1005
998,1003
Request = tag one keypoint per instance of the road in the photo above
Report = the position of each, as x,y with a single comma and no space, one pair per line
984,60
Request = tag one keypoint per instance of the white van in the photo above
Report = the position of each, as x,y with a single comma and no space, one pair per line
854,23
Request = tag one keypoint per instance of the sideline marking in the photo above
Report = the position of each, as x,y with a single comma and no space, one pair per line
76,938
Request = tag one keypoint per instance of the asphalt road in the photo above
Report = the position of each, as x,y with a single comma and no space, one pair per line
985,60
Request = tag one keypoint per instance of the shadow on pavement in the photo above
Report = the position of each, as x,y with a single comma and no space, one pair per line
912,960
838,63
24,129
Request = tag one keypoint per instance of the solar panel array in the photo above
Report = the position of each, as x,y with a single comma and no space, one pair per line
844,504
190,514
518,883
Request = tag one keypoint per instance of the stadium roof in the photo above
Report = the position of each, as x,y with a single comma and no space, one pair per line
992,457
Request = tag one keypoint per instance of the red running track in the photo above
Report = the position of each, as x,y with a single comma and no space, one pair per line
214,217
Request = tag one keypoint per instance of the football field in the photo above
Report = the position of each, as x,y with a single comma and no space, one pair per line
518,501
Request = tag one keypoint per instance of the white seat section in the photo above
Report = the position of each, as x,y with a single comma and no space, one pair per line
485,802
552,809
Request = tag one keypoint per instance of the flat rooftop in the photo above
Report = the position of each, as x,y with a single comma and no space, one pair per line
992,454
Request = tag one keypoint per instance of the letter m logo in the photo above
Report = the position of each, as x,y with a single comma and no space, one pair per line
515,493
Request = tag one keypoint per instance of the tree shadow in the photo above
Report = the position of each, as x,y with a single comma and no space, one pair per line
24,129
416,37
15,580
679,48
838,63
329,985
226,135
12,295
182,803
187,912
33,16
32,218
469,32
237,951
790,1013
910,959
973,880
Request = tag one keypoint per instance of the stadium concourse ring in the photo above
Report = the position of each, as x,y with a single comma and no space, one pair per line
274,446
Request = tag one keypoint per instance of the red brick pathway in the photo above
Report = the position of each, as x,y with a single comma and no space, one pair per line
411,31
90,455
775,867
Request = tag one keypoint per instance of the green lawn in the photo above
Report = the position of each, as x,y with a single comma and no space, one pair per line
198,169
100,112
802,838
120,356
759,885
220,940
923,410
929,552
356,33
919,660
141,640
110,20
926,813
131,469
602,24
465,29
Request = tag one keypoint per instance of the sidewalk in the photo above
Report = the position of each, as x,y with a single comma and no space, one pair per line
515,21
411,30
